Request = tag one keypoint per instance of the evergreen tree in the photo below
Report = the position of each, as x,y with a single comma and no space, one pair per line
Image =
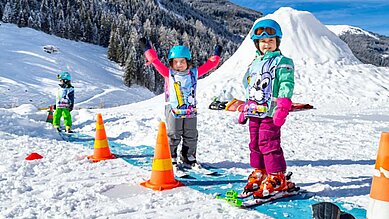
8,13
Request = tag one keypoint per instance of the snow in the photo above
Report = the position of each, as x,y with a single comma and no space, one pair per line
28,73
331,150
341,29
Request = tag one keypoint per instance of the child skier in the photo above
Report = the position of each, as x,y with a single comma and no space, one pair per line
269,84
180,97
64,102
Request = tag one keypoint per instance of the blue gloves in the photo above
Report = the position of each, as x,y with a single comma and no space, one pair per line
144,44
218,50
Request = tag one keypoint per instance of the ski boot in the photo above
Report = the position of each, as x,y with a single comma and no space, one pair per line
189,162
68,130
58,128
254,181
175,164
273,184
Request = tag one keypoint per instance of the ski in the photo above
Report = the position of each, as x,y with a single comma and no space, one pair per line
180,172
204,171
65,135
279,195
192,172
245,194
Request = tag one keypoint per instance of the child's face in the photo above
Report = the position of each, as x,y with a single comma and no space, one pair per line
267,44
179,64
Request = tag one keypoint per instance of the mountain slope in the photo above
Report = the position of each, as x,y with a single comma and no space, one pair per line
368,47
28,73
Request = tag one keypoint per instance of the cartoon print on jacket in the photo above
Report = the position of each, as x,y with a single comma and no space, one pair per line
183,99
261,89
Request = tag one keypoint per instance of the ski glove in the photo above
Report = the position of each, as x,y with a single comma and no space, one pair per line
282,110
151,56
218,50
144,44
242,118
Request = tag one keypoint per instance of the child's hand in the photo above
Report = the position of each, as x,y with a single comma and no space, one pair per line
242,118
144,44
218,50
282,111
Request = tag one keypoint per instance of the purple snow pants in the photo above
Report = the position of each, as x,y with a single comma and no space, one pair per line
265,145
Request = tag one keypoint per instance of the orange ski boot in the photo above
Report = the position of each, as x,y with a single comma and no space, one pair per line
254,181
274,183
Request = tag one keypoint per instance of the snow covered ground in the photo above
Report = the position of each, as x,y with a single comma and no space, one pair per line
330,149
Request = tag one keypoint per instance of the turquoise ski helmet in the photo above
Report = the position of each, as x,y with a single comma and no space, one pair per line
266,28
64,76
179,52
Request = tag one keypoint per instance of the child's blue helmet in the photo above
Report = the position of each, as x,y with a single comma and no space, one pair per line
64,76
179,52
266,28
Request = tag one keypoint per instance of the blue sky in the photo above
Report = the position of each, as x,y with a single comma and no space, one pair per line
370,15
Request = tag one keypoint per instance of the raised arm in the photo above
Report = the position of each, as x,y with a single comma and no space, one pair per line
211,63
152,58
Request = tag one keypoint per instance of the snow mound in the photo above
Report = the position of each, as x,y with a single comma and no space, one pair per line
326,71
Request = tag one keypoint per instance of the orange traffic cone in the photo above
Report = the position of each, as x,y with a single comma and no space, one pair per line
162,175
379,193
101,147
50,116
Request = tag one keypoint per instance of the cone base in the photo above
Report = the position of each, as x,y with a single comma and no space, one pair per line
149,185
377,209
97,159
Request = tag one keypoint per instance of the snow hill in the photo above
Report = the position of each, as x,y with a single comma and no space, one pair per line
326,69
331,149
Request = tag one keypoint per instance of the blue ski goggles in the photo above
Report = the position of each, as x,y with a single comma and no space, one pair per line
264,32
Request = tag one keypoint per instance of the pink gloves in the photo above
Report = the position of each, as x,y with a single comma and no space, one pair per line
282,110
151,56
242,119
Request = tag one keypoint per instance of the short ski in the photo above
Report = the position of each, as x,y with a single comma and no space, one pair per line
202,170
65,135
180,172
245,194
279,195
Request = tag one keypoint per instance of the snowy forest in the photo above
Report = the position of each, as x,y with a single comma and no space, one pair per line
368,49
119,25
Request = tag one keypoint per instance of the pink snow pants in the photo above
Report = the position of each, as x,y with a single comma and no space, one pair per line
265,145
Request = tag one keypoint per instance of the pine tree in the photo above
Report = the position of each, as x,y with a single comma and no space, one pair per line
8,13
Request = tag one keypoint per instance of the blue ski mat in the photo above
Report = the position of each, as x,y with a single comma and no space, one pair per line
298,206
